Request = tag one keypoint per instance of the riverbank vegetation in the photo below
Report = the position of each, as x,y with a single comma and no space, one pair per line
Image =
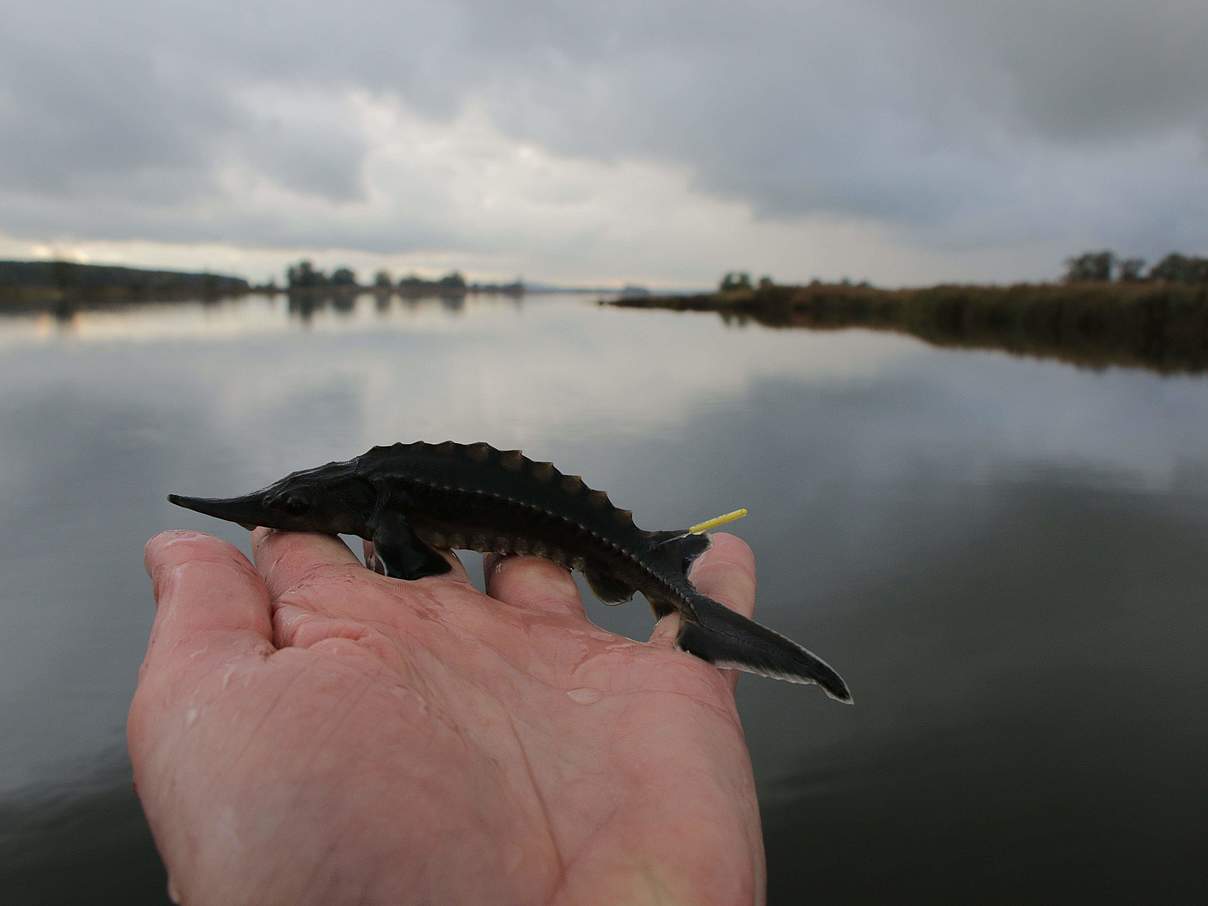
1161,325
40,284
1106,266
51,282
304,277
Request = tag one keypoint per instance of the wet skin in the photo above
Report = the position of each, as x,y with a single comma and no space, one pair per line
307,731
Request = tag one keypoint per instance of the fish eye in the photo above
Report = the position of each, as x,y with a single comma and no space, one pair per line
295,504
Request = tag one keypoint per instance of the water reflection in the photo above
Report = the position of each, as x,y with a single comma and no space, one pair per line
304,305
1163,331
80,840
1004,556
225,317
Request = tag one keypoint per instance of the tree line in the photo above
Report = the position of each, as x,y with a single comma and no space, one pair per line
1103,266
305,276
34,279
1106,266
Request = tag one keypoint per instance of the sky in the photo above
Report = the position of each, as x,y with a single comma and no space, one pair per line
586,143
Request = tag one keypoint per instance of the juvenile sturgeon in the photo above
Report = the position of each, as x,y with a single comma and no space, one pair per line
410,499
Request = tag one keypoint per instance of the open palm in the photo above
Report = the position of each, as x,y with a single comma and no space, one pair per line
306,731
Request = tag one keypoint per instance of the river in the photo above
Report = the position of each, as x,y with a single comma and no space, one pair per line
1006,557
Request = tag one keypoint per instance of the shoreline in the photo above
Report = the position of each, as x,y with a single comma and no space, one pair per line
1159,326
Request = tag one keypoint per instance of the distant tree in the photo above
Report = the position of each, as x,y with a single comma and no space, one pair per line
344,276
1177,268
63,273
766,282
383,280
1130,270
304,276
1090,267
411,282
735,280
452,281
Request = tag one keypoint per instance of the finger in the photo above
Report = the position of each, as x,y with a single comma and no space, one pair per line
726,573
532,583
457,573
209,601
287,559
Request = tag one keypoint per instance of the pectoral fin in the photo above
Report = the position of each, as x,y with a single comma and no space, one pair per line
401,554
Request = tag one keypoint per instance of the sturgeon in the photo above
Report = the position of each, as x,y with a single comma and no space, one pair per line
412,500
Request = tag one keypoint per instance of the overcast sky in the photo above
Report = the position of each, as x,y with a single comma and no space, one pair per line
658,142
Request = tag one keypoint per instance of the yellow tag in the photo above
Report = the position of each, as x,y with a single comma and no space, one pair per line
701,527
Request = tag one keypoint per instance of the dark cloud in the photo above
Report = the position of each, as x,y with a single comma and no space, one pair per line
1085,70
949,120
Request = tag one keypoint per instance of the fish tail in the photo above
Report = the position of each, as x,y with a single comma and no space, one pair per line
730,640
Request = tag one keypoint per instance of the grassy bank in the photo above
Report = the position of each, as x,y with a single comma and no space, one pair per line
1158,326
49,283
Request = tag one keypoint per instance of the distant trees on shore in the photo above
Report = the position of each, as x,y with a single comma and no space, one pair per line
451,283
1102,266
1105,266
32,280
343,276
305,276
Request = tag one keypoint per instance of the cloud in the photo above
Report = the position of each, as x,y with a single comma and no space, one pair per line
540,129
1085,71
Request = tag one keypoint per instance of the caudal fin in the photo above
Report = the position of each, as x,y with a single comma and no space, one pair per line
728,639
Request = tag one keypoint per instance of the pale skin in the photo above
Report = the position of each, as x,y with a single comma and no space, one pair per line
307,731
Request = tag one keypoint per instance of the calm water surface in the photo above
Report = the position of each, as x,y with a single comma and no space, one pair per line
1007,558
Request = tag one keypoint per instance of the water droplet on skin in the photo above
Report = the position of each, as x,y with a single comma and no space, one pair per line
173,893
190,716
585,696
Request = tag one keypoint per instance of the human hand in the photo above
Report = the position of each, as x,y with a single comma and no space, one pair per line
307,731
